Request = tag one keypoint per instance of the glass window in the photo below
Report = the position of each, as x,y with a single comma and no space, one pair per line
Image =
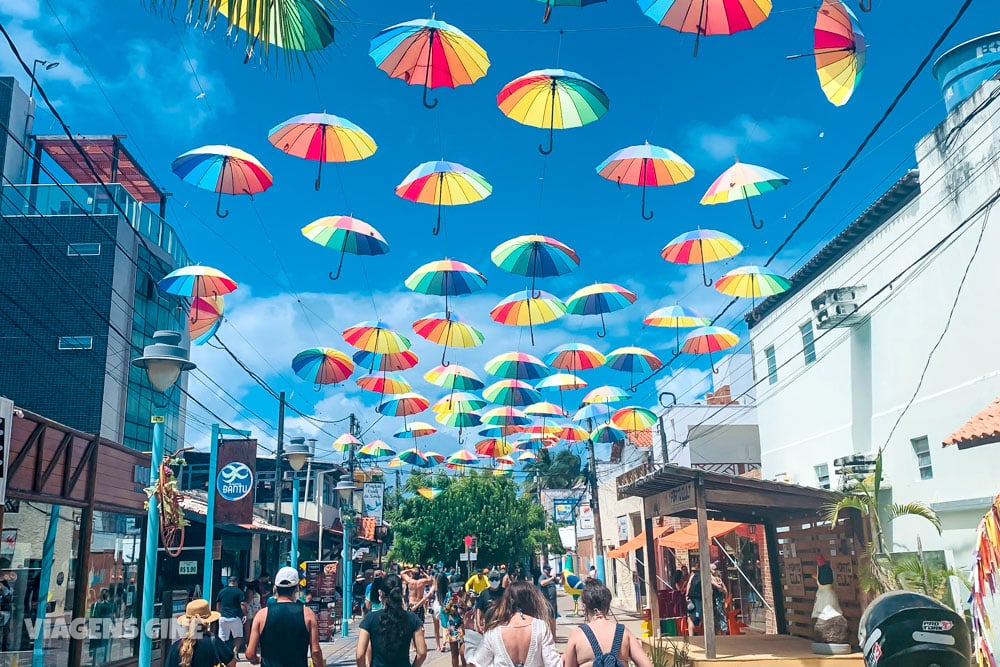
772,365
76,342
923,452
115,558
83,249
823,475
808,342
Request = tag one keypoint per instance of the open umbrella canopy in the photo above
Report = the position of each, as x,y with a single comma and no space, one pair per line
376,336
222,169
463,457
442,183
415,458
574,433
390,361
345,235
706,340
598,299
454,377
206,318
562,382
446,277
633,419
457,419
385,383
322,137
701,247
528,308
743,181
505,416
596,412
428,492
752,282
676,316
608,433
512,392
459,401
293,25
395,462
527,457
535,256
197,281
322,365
403,405
574,357
517,366
493,448
429,53
643,166
545,409
631,359
553,98
707,17
605,394
415,430
840,49
345,442
376,449
449,330
506,460
435,457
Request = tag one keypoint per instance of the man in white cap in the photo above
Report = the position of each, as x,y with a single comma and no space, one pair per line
285,633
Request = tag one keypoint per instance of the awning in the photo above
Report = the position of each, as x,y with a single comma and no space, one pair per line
107,156
687,537
637,542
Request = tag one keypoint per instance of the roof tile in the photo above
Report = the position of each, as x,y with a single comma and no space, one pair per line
982,429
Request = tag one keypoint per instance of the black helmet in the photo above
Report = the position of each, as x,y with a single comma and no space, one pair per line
907,629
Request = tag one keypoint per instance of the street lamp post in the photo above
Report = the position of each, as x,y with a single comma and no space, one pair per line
163,361
44,63
345,498
297,454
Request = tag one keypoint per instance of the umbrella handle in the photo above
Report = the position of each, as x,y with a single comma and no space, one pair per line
437,227
865,5
604,328
541,147
552,121
427,71
218,208
432,105
548,12
644,216
443,353
704,278
319,175
343,250
753,220
461,438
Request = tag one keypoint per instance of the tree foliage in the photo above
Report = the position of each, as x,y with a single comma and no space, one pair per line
562,471
509,526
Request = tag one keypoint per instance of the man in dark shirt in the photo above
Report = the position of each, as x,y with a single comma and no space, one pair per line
487,601
285,632
234,613
547,582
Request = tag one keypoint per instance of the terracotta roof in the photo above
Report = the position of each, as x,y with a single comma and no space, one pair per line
982,429
199,506
641,438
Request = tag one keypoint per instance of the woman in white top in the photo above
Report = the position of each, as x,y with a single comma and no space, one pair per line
517,634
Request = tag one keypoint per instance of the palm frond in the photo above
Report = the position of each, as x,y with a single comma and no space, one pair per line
834,510
915,509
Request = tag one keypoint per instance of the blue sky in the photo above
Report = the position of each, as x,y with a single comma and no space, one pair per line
171,87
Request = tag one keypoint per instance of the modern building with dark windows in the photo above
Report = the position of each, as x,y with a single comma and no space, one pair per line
82,244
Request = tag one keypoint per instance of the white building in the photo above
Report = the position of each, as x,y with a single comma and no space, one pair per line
918,358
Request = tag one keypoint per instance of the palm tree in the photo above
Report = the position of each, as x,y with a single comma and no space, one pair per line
865,497
562,471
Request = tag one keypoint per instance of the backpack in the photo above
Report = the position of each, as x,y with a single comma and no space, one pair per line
611,658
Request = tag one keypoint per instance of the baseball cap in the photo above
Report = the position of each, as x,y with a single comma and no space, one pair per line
547,568
286,576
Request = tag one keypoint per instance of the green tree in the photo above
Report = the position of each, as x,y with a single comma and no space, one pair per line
508,526
562,471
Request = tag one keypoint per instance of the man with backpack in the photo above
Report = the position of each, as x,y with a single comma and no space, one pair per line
602,642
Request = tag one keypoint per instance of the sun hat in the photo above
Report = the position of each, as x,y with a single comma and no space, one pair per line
198,609
286,577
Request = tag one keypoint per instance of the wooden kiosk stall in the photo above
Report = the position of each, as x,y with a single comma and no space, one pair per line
796,534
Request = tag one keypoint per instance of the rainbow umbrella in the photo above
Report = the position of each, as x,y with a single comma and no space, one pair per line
443,183
415,458
527,456
562,382
429,52
594,412
428,492
197,281
322,137
707,17
573,433
403,405
435,457
607,434
505,416
632,360
347,235
386,383
376,449
752,282
508,432
605,394
552,98
701,247
646,165
517,366
459,401
396,463
390,361
415,430
598,299
376,336
322,365
446,277
545,409
463,457
535,256
344,443
742,181
506,460
222,169
633,419
493,448
706,340
206,318
459,420
449,330
679,317
511,392
574,357
527,309
549,4
454,377
840,50
292,25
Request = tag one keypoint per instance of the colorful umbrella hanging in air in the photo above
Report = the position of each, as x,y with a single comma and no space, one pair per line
598,299
292,25
633,419
459,420
376,336
632,360
448,330
517,366
428,492
389,361
415,430
511,393
707,17
322,365
607,434
574,433
346,235
441,183
322,137
742,181
222,169
376,449
505,416
459,401
493,448
345,442
447,278
840,50
454,377
206,318
646,165
752,282
562,382
553,98
605,394
535,256
545,409
403,405
528,308
707,340
463,457
574,357
415,458
679,317
701,247
430,53
197,281
384,384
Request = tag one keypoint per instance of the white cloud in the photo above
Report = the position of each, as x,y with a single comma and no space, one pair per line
748,137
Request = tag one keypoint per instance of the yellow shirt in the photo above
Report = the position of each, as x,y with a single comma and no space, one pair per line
477,583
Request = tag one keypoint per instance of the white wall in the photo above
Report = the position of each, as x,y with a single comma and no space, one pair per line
815,414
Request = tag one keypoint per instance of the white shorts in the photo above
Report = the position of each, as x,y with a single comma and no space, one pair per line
230,627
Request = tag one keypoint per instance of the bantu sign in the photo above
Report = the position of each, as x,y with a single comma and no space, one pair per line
234,481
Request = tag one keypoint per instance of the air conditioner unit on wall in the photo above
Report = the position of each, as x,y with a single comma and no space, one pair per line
837,307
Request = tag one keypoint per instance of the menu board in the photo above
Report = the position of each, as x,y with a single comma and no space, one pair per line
322,579
795,585
843,578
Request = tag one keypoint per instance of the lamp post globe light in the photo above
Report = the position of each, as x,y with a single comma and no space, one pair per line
298,452
163,360
47,64
345,498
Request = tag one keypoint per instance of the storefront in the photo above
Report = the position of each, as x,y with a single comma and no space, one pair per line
72,544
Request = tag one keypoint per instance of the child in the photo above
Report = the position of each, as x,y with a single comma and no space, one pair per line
455,608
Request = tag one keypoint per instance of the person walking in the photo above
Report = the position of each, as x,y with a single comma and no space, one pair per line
100,642
234,613
518,633
601,640
456,606
385,636
199,648
487,601
285,632
478,582
418,583
548,583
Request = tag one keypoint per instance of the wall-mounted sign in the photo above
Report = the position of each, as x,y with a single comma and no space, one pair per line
234,481
844,578
795,585
586,517
562,511
679,499
187,567
374,497
622,528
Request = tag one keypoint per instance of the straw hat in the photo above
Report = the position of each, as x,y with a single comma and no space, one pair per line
198,609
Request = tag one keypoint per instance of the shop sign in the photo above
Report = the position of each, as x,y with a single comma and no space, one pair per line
562,510
586,519
623,529
235,481
373,495
679,499
187,567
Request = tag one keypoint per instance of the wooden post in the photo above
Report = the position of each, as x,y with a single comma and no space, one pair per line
777,588
82,574
705,565
649,561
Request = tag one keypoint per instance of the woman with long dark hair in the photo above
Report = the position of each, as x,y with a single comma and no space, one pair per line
390,631
518,632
